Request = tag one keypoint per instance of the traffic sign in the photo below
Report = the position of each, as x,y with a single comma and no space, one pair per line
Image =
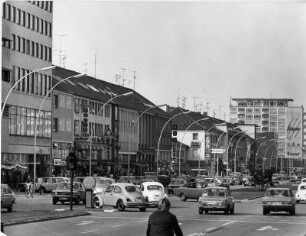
215,150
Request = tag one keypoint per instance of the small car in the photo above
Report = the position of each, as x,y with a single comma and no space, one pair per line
153,192
121,196
48,184
300,194
216,199
176,183
303,181
62,193
8,198
278,199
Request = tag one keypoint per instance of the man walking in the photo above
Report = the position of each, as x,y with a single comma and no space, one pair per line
162,222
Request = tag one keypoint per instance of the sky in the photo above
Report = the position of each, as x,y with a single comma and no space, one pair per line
203,51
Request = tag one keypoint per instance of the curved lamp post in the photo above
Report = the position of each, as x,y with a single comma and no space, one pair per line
235,156
38,117
18,81
264,157
161,133
251,145
179,155
219,138
272,156
230,143
260,146
102,109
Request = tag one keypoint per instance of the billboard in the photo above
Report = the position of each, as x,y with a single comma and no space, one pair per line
294,123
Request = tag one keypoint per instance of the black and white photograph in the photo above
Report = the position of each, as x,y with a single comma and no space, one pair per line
156,118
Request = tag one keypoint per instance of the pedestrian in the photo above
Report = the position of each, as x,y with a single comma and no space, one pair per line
162,222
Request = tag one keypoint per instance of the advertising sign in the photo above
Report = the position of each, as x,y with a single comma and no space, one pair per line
294,122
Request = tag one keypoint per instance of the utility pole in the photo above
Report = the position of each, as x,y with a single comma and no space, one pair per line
123,71
134,79
178,98
60,50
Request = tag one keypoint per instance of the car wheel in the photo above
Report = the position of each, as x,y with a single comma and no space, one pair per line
200,211
232,210
206,211
226,211
142,209
10,208
54,201
292,211
96,203
183,197
265,211
120,205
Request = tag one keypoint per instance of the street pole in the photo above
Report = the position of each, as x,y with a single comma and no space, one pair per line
228,147
179,155
161,133
38,117
235,157
218,155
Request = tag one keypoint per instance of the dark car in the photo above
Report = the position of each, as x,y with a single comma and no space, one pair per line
62,193
176,183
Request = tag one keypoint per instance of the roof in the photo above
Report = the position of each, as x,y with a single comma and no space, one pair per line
264,99
102,91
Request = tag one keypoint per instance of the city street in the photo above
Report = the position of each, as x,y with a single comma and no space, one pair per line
247,220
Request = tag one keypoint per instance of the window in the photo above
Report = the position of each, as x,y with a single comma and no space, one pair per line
62,124
195,136
37,24
29,20
107,111
77,127
18,43
33,22
62,101
41,52
6,75
18,16
55,125
46,28
46,53
41,26
28,49
50,55
68,125
14,14
37,50
4,11
32,49
23,45
68,102
55,101
23,18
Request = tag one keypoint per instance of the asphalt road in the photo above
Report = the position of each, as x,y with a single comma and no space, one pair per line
247,220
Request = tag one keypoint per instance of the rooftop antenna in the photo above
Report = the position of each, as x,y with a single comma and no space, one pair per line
95,65
134,78
60,50
207,107
117,78
123,71
220,114
184,102
178,98
85,64
224,116
214,113
64,60
194,106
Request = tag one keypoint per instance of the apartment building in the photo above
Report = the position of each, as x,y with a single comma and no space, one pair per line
273,115
26,56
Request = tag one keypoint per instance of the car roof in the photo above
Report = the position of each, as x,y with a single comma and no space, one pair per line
217,187
151,183
278,189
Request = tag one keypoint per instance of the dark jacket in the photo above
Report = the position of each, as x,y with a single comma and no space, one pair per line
163,223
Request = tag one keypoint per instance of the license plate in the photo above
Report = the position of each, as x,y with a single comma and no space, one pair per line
276,203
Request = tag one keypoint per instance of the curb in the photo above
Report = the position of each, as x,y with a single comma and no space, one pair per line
46,219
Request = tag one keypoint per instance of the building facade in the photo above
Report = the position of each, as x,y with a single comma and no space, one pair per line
26,48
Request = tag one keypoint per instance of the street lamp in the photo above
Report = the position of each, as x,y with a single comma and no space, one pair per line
102,109
219,138
259,149
179,155
235,157
38,117
230,143
161,133
17,82
251,145
264,157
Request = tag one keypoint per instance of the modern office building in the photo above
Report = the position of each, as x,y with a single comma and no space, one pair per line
273,115
26,48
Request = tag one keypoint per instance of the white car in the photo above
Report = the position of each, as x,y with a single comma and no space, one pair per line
300,194
303,181
153,192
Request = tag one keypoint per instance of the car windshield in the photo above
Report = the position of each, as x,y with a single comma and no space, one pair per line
154,187
278,192
132,189
66,186
104,181
214,192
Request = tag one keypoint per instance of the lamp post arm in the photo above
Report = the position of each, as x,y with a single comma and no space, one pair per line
38,117
148,110
18,81
161,132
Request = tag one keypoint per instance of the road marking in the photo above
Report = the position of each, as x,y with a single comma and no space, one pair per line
231,222
267,228
117,225
85,223
210,229
90,231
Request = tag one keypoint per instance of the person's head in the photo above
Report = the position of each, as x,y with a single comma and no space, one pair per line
164,205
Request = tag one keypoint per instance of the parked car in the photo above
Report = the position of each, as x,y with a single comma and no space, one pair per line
153,192
185,193
303,181
216,199
101,184
48,184
8,198
278,199
62,193
300,194
121,196
176,183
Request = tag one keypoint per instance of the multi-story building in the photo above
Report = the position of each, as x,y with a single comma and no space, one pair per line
273,115
120,132
26,57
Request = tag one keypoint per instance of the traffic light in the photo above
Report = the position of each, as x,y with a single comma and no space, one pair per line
85,121
72,161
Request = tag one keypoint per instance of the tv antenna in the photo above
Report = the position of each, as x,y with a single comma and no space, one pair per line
123,71
60,50
134,78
